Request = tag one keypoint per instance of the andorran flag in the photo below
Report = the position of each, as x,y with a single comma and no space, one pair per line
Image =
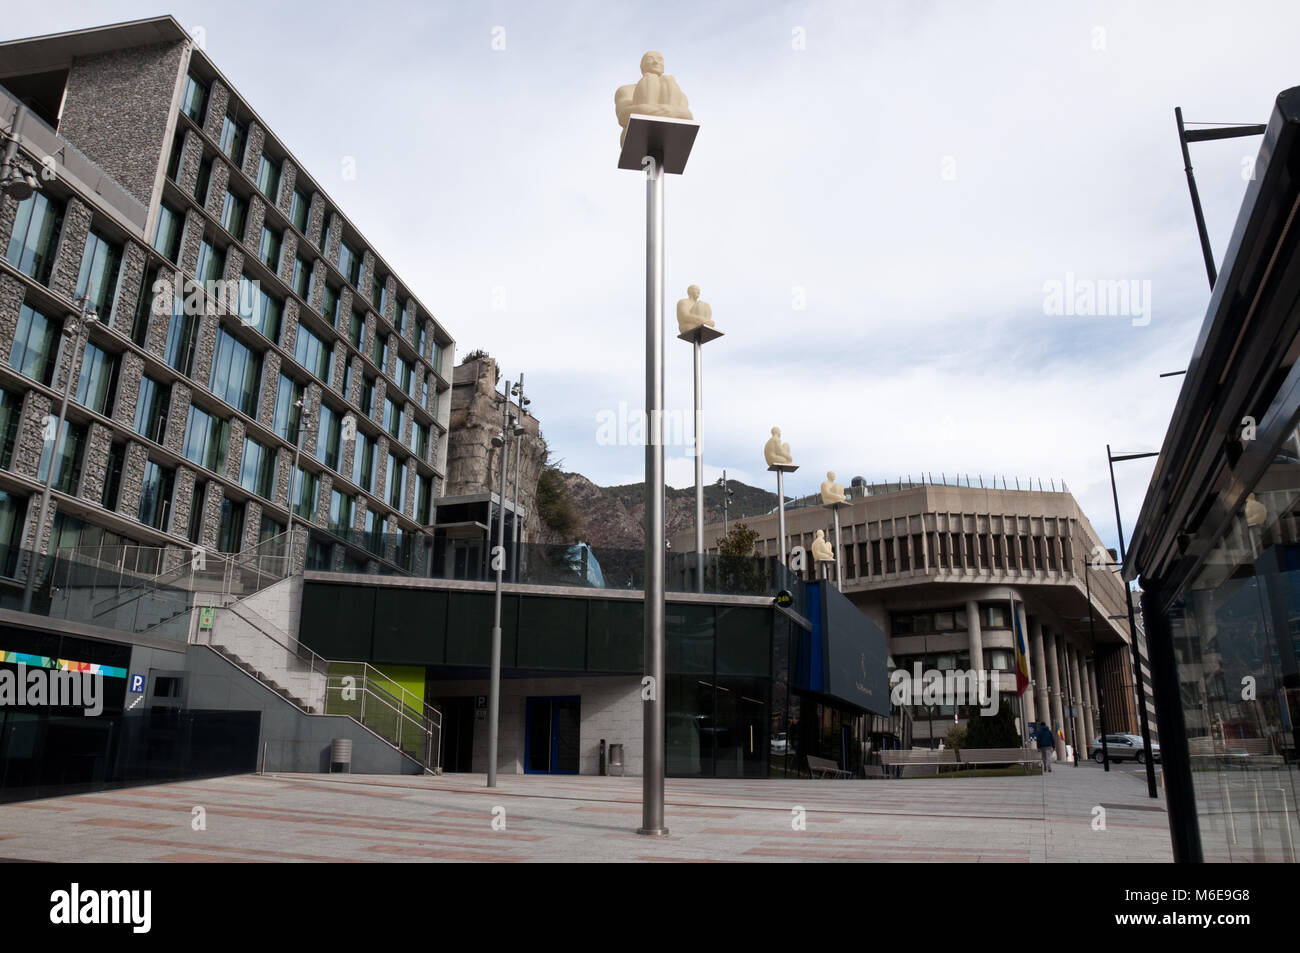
1022,660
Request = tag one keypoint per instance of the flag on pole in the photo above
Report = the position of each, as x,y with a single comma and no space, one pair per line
1022,660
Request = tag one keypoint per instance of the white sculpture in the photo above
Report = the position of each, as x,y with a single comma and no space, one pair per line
1256,512
654,95
692,312
776,452
832,492
821,549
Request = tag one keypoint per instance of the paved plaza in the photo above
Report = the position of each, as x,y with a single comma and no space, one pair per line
451,818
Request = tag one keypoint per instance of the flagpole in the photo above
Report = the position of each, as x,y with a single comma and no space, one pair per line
1015,642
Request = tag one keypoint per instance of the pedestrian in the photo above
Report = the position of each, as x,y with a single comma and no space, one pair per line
1045,745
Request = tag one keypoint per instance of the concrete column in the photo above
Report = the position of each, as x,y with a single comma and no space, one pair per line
1081,732
973,634
1054,691
1039,659
1031,708
1096,698
1085,703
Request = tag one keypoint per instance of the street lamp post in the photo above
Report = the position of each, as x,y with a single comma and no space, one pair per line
73,329
726,503
1092,631
697,337
1132,624
654,145
498,561
518,392
295,477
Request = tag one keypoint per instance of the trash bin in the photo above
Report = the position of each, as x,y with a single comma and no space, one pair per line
616,760
341,755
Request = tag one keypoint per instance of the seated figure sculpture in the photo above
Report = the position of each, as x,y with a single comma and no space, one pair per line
832,492
692,312
654,95
821,549
775,452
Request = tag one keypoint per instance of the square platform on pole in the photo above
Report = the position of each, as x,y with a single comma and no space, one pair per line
703,332
669,141
782,467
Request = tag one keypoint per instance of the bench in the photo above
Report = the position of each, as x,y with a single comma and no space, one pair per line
1022,756
825,768
905,759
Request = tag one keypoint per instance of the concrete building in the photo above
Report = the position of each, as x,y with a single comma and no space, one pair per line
243,323
940,569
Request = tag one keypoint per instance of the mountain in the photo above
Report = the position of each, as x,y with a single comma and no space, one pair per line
614,516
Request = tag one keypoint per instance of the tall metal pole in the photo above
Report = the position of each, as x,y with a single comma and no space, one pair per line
697,348
652,807
780,519
494,687
1132,630
514,516
1210,271
726,527
301,404
29,584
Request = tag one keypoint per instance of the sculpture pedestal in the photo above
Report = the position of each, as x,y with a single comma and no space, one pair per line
669,141
781,469
839,543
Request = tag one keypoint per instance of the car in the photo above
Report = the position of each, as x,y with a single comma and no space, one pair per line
1123,747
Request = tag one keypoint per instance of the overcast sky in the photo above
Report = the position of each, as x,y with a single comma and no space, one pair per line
879,197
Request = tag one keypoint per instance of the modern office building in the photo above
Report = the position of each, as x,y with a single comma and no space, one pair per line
258,393
940,570
1217,543
246,329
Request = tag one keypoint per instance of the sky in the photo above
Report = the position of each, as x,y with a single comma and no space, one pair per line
881,201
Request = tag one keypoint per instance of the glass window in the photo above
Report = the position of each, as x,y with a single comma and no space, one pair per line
379,295
436,361
97,280
356,328
202,180
363,463
236,373
268,249
287,397
67,459
394,481
234,213
424,336
421,448
405,374
380,350
36,233
113,475
300,211
268,178
230,531
341,512
194,528
151,409
392,418
311,352
144,307
11,406
167,234
205,440
305,485
233,135
156,495
13,514
325,230
97,383
257,468
368,396
302,278
423,499
258,309
194,99
177,154
270,529
35,345
350,263
182,338
212,264
329,437
329,308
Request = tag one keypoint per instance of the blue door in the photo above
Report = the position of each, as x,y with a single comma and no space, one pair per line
551,733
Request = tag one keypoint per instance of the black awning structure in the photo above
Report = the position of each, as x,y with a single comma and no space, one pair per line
1244,364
